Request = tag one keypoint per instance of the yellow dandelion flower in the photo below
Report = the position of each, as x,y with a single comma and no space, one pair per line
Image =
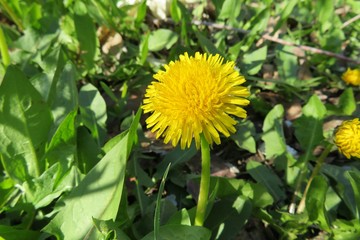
195,95
352,77
347,138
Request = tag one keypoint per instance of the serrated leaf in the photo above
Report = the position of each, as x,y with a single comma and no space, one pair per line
25,120
273,133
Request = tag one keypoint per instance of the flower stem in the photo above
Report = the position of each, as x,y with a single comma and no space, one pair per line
315,172
4,49
204,182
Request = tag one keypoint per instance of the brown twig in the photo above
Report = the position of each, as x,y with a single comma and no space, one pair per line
278,40
350,21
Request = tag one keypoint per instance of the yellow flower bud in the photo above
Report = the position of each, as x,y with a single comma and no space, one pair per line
352,77
347,138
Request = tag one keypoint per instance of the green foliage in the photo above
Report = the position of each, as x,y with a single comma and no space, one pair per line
273,134
78,163
27,119
308,129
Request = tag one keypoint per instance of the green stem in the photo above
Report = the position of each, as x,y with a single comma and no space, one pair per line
315,172
4,49
204,182
158,204
12,15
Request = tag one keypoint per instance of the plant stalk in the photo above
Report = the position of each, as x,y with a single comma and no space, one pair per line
204,182
319,163
4,50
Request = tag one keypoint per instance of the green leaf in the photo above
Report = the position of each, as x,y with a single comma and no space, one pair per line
230,9
144,48
162,38
344,230
175,11
254,60
12,233
315,202
273,133
325,11
258,193
180,218
62,145
258,21
109,227
45,82
343,186
347,102
141,12
93,111
284,13
64,95
180,232
354,178
41,191
309,127
266,177
287,64
206,44
98,194
228,216
136,170
86,35
244,136
175,157
88,150
25,120
6,190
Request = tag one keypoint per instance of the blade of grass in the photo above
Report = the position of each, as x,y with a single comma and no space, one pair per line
158,204
12,15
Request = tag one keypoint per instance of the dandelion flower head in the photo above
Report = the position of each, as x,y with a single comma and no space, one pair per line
352,77
347,138
195,95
